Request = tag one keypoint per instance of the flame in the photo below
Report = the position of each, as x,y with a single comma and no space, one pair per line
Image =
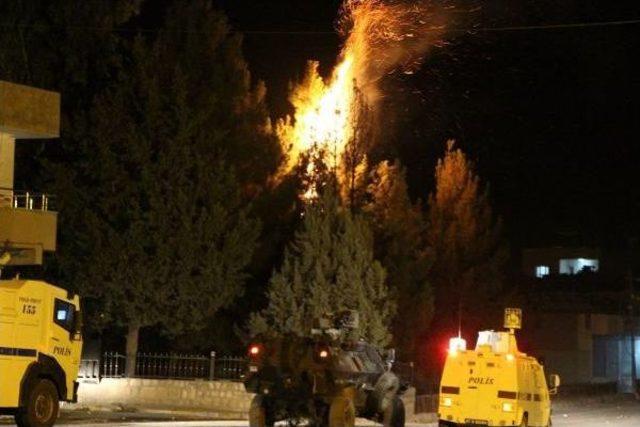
381,37
322,114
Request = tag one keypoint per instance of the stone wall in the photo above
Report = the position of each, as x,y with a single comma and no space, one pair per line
218,399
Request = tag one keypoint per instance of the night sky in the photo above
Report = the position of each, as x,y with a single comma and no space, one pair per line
551,116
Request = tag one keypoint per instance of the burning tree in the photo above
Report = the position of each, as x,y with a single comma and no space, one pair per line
381,36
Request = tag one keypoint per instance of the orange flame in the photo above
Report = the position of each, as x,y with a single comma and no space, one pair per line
382,36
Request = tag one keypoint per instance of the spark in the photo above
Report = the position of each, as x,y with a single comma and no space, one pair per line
381,38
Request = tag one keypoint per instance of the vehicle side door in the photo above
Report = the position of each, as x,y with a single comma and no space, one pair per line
62,346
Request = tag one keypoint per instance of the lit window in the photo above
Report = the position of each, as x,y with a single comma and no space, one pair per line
542,271
578,265
64,313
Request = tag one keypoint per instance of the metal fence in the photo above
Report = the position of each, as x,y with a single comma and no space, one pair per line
186,366
229,368
150,365
113,365
165,366
89,370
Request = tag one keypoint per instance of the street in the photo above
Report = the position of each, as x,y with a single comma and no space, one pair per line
622,413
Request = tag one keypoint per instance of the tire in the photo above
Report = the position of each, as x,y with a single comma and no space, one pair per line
395,414
42,406
342,412
525,421
259,413
385,391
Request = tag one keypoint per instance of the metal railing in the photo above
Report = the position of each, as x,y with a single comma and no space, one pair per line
151,365
89,370
24,199
113,365
170,366
31,201
187,366
229,368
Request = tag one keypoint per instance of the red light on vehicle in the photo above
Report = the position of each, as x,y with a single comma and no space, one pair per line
254,350
322,353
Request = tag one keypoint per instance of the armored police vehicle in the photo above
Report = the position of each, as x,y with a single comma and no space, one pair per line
495,384
328,379
40,347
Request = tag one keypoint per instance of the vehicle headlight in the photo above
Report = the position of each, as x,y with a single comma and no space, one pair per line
447,401
507,407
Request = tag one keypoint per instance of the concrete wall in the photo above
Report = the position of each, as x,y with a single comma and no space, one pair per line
219,399
28,112
565,343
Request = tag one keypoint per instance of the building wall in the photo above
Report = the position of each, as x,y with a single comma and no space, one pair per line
7,155
551,257
565,343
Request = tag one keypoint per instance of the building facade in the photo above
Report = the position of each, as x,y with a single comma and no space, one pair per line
580,316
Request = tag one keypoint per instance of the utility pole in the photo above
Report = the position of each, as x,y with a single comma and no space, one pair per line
632,336
631,322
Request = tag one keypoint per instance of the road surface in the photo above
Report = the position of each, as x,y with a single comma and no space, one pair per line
623,413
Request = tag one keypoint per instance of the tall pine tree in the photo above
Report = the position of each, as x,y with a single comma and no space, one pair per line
464,237
329,267
399,230
154,207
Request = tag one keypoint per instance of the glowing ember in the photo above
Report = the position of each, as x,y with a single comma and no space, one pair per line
382,36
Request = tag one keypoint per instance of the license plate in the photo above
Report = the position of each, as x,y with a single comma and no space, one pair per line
473,422
253,369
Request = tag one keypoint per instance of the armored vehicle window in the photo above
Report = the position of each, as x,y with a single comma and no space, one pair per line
368,359
63,314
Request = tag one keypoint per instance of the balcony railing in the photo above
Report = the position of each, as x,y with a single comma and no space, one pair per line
25,200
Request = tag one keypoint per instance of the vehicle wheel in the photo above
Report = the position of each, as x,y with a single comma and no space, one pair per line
259,413
42,406
386,389
321,418
525,421
394,416
342,412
